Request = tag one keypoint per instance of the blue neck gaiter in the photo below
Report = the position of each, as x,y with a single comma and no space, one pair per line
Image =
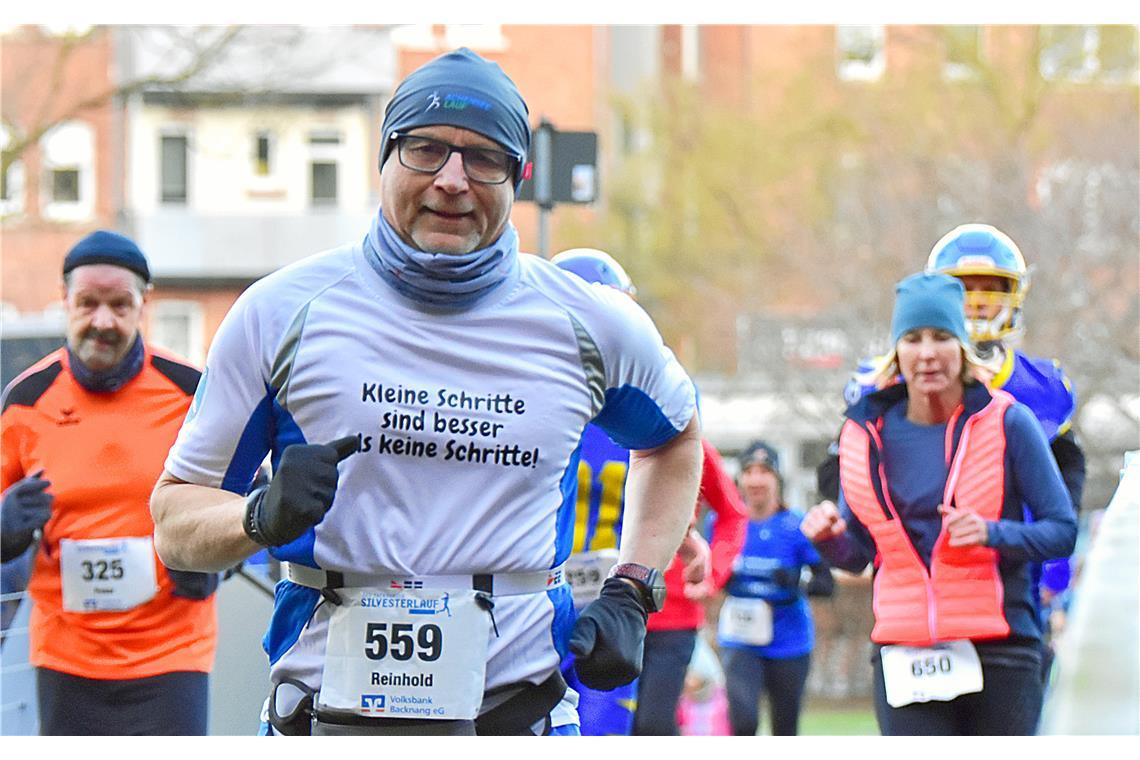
440,279
110,380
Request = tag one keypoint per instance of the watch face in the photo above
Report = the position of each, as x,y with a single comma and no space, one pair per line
658,590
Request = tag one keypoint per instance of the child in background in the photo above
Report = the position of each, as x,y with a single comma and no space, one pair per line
703,708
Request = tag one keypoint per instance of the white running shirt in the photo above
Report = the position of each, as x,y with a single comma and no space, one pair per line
470,423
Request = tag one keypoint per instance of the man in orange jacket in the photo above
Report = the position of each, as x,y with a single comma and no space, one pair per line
121,645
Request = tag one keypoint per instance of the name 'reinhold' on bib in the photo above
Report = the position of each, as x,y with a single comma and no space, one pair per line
107,574
406,654
937,673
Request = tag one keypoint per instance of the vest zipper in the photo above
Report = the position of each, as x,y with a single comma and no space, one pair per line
955,469
881,495
888,508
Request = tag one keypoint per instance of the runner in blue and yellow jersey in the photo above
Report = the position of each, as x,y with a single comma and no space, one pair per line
696,571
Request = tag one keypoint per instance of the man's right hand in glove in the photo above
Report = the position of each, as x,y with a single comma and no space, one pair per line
300,493
26,508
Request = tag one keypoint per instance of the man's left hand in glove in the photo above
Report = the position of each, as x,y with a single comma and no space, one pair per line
608,640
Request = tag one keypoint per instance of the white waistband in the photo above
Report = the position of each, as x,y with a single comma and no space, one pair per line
500,584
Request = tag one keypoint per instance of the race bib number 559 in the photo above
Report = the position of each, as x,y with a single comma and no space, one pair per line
406,654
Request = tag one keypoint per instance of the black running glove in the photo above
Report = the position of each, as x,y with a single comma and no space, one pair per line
300,493
608,640
191,585
25,509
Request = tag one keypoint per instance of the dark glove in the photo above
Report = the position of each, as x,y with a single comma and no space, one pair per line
26,507
608,640
786,580
191,585
300,493
822,582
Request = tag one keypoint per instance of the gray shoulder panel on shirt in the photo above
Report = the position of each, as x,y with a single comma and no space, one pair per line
283,362
592,364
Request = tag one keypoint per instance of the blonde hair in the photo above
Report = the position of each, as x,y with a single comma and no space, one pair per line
887,371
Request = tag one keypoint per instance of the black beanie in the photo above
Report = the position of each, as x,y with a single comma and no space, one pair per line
103,247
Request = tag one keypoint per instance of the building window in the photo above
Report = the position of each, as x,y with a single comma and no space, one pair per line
67,190
325,154
173,178
1118,52
963,51
262,155
11,178
324,137
861,51
65,185
1083,53
12,189
177,326
691,52
323,183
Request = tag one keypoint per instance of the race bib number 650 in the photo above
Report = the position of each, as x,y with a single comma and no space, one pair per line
936,673
406,654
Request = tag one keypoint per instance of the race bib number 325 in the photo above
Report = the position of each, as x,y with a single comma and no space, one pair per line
107,574
406,654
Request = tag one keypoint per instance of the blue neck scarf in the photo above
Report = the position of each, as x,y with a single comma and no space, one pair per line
440,279
110,380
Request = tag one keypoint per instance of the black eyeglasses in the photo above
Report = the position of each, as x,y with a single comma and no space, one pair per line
428,155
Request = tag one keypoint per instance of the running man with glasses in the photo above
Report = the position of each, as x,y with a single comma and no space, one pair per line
422,395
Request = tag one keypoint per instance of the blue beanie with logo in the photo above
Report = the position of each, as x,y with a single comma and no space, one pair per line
930,300
103,247
460,89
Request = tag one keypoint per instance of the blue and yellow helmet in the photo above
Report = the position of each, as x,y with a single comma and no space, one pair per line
983,250
593,265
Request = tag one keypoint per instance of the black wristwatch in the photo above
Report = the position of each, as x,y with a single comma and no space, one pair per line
648,580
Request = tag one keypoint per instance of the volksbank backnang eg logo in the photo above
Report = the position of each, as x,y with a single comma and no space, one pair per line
413,605
373,704
455,101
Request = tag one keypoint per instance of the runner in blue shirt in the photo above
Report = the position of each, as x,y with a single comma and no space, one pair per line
766,632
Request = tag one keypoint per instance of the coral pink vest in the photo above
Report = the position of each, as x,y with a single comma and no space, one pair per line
960,597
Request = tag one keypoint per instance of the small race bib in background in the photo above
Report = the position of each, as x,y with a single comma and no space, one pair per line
746,621
587,571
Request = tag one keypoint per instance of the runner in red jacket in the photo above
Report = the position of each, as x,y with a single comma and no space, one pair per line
672,632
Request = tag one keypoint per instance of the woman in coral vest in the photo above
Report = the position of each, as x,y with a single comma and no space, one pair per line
934,472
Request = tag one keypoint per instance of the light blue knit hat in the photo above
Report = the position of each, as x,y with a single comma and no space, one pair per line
930,300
